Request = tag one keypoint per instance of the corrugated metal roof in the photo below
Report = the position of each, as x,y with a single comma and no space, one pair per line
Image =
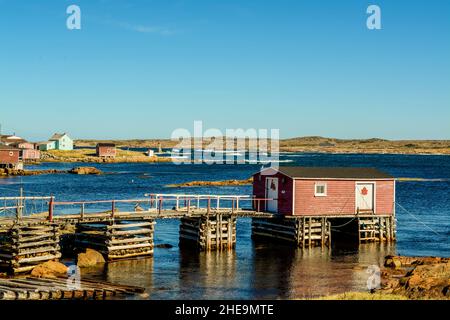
334,173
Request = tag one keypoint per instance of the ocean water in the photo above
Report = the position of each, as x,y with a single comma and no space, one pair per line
255,270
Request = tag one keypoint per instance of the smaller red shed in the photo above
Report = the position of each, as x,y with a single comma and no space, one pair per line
106,150
325,191
9,157
30,154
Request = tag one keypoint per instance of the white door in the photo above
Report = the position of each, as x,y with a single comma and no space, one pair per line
365,197
272,193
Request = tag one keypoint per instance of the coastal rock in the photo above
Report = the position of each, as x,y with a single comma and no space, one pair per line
90,259
14,172
49,269
422,277
85,170
393,262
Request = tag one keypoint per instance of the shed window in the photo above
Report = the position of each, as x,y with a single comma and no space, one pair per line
320,189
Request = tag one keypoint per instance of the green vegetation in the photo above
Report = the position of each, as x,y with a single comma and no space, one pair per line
310,144
213,183
364,296
88,155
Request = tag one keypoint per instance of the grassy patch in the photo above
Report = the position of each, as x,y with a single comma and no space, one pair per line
364,296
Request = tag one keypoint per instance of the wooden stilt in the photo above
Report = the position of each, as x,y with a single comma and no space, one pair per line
209,233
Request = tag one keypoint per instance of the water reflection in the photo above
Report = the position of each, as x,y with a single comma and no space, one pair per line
283,272
208,274
273,271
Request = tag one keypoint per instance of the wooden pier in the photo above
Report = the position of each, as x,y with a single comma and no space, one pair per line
121,229
30,288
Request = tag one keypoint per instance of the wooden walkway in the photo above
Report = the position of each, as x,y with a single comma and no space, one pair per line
30,288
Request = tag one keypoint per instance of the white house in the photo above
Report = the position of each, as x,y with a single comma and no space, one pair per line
62,141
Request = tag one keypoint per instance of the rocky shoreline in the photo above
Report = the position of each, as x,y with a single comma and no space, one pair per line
76,170
408,278
416,277
86,156
223,183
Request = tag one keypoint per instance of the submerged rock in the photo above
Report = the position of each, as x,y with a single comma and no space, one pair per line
85,170
164,246
90,258
49,269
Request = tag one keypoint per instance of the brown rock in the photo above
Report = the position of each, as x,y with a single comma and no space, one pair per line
90,259
393,262
49,269
85,170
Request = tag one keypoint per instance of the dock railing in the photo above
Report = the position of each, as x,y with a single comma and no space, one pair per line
157,205
23,207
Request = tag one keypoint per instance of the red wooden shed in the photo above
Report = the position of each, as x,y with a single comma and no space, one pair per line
106,150
9,157
322,191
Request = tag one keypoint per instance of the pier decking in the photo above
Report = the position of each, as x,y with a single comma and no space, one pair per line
31,288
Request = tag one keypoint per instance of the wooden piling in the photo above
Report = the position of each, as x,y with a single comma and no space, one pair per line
117,239
301,231
27,244
215,232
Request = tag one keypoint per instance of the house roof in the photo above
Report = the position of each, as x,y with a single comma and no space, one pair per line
106,145
4,147
333,173
58,136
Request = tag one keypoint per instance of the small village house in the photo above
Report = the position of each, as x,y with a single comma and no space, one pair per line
10,140
320,191
62,141
59,141
27,149
10,157
106,150
30,154
47,145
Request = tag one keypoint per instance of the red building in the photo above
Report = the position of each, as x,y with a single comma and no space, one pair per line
9,157
313,191
30,154
106,150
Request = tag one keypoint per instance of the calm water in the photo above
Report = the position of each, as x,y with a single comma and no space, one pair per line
257,270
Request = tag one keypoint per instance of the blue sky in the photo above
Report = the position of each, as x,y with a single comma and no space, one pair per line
140,68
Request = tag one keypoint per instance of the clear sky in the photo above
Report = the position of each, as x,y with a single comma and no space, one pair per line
141,68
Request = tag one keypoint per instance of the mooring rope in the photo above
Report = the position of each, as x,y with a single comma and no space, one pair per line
418,220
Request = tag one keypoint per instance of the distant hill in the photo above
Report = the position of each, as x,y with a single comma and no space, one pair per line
309,144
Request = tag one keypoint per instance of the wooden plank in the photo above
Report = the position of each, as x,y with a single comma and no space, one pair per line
131,246
131,232
39,258
128,240
131,225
